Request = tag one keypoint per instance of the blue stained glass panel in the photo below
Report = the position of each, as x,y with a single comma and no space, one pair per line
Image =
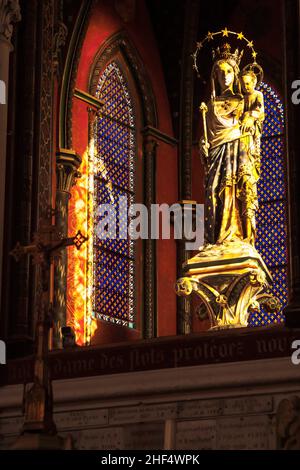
271,241
280,283
271,184
114,178
112,271
271,213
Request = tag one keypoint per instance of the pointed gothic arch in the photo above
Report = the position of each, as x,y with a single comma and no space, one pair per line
117,53
123,51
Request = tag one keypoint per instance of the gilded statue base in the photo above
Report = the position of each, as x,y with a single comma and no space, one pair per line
232,281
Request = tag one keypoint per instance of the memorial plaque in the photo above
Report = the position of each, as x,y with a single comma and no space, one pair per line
158,412
11,425
128,414
148,436
81,419
199,435
142,413
222,406
197,408
251,432
97,439
244,405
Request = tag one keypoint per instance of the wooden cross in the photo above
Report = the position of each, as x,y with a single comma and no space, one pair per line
44,245
45,248
38,408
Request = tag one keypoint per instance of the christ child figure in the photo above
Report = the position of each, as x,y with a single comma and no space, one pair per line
254,114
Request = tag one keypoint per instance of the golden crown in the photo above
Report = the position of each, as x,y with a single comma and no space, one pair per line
223,52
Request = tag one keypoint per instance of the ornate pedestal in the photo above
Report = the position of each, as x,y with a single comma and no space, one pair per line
231,279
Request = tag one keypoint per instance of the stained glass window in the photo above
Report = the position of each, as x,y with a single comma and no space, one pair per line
112,181
271,240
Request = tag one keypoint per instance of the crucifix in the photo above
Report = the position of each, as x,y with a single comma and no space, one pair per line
39,430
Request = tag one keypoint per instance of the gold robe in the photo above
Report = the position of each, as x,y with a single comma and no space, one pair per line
231,174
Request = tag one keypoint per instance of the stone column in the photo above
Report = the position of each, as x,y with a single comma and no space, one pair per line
184,314
150,326
9,14
152,137
291,27
185,145
67,164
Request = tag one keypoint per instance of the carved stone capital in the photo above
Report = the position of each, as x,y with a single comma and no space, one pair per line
67,164
9,14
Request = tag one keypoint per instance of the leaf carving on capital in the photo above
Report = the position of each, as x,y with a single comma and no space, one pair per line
9,13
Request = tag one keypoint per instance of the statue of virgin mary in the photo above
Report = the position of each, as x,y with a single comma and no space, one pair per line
232,167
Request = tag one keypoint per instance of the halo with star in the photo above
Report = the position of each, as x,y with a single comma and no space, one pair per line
224,33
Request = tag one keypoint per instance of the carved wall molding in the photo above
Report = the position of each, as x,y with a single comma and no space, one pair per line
44,132
46,105
58,43
9,13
